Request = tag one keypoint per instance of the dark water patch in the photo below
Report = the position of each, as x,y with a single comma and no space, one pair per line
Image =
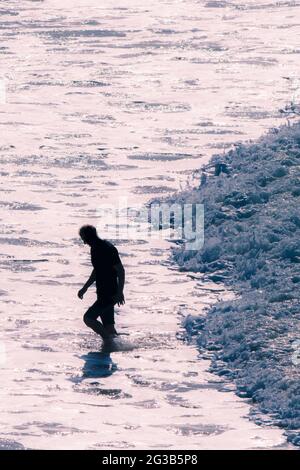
125,241
96,119
250,113
26,242
111,393
47,335
8,444
20,323
6,148
32,173
220,145
197,429
219,132
43,184
290,51
64,161
164,31
15,123
161,156
46,83
161,107
88,83
5,12
58,49
21,206
46,282
77,93
136,54
152,189
266,62
203,131
40,395
146,404
48,428
40,347
81,33
128,426
88,22
113,445
176,400
17,267
62,137
183,387
63,261
158,446
75,204
266,6
151,44
40,371
217,4
208,60
123,167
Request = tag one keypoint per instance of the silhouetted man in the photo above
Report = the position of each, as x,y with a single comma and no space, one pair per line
109,275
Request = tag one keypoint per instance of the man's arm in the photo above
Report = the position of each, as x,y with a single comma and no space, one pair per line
119,298
88,283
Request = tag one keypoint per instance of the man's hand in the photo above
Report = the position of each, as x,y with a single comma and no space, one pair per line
88,283
119,299
81,292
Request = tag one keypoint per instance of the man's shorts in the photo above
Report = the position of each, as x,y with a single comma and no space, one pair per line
103,308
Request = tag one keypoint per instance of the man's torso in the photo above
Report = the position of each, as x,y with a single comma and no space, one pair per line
104,257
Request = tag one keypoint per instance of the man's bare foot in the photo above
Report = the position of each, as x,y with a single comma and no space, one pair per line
109,344
109,339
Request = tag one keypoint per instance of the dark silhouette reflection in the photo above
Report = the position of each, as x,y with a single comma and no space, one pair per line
97,365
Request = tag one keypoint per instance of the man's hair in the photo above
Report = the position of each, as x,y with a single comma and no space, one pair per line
88,232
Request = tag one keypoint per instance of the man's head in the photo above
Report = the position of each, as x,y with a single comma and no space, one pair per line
88,234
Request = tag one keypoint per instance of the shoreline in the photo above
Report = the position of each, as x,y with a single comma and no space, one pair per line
251,248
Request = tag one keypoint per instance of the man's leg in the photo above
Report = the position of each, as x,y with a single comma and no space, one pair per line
107,315
90,319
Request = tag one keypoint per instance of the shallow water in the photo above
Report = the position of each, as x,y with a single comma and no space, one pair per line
102,102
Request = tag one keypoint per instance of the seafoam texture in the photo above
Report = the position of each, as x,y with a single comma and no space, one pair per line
252,221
